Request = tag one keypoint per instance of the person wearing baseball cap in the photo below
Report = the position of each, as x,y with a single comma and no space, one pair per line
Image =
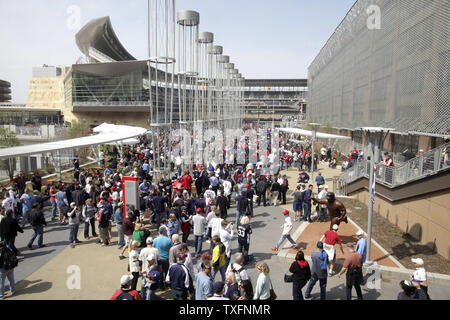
361,245
329,239
419,278
287,228
410,292
318,272
125,292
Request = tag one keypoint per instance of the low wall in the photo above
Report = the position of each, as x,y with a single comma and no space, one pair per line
425,217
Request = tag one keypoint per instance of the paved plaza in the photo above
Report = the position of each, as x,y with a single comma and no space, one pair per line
47,273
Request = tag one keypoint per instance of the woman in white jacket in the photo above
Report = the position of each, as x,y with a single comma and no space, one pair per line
262,290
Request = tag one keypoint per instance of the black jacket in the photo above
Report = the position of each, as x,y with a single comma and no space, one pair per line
299,274
9,228
36,218
222,203
261,186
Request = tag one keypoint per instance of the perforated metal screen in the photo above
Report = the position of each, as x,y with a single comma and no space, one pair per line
397,76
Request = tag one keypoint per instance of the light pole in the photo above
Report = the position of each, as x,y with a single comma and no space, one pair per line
313,140
376,138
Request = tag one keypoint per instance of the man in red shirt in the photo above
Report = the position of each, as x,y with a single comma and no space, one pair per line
125,292
186,182
329,239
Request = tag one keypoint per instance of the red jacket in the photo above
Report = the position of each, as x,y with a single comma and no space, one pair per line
186,181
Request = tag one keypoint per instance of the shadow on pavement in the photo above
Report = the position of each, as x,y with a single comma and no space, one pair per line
258,224
30,287
35,253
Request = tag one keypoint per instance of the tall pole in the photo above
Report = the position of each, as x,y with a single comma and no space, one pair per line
371,200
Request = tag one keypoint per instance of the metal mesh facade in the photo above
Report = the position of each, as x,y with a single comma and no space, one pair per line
397,76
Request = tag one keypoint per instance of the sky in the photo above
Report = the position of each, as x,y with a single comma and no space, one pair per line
264,38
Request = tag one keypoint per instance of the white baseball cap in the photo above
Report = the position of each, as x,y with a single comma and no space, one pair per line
321,186
326,187
150,257
360,233
418,261
335,227
126,279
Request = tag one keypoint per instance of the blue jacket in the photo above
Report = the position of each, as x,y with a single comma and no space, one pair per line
307,196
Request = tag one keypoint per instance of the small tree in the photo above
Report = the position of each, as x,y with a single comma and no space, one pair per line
77,130
8,139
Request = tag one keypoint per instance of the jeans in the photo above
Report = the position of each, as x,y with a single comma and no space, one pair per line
158,220
297,290
243,248
151,295
10,244
198,245
262,197
217,270
120,236
312,282
73,235
54,210
39,233
307,211
24,217
322,215
6,274
179,295
283,237
239,215
86,228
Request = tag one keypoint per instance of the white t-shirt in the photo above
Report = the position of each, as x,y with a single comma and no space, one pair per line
271,158
227,188
287,225
420,275
216,226
211,215
323,195
8,204
134,261
226,237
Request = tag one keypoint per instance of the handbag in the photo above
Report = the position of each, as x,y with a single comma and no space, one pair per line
273,295
288,278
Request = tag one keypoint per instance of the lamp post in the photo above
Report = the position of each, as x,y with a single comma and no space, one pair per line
376,138
313,140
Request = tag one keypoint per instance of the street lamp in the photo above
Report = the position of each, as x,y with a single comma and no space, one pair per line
313,140
376,136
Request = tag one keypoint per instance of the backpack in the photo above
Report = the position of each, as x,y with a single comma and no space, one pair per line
125,295
9,259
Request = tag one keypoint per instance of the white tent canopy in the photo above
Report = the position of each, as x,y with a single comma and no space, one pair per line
107,133
319,135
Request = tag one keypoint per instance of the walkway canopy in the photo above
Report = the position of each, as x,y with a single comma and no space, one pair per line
319,135
106,133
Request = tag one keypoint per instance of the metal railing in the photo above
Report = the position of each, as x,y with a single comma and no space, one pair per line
417,168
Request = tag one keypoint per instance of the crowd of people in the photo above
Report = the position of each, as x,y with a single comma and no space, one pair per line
175,207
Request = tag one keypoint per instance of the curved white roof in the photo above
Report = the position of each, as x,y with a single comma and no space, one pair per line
106,133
